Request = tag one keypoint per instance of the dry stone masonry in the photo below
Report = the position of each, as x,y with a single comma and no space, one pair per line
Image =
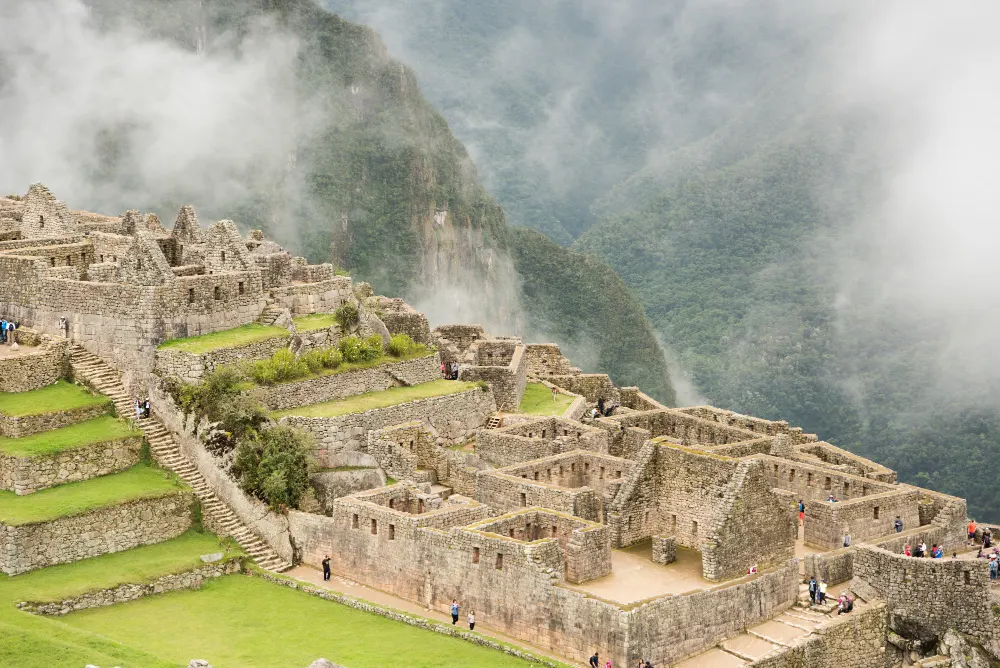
649,532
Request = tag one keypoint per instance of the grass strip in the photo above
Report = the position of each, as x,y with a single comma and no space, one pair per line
79,435
381,399
142,481
228,338
59,396
537,400
314,321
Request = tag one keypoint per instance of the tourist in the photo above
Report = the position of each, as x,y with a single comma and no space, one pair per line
822,591
972,532
454,610
937,552
11,336
608,664
555,393
923,549
595,661
898,524
994,568
600,406
831,499
845,604
813,590
138,409
847,537
472,620
326,568
954,555
802,512
443,374
3,330
145,407
987,537
907,552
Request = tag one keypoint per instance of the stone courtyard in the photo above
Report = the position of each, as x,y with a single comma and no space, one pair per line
647,532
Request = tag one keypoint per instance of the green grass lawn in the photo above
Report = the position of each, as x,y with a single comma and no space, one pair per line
537,400
314,321
96,430
370,400
142,481
228,338
58,396
237,622
30,641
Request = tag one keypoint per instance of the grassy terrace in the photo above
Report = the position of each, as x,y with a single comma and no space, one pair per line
229,338
358,366
537,400
78,435
314,321
370,400
142,481
58,396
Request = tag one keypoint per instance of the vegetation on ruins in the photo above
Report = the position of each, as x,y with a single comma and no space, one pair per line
537,400
274,466
401,345
220,398
59,396
228,338
381,399
355,349
142,481
81,434
347,316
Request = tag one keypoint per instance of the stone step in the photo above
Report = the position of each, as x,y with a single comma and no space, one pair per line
441,491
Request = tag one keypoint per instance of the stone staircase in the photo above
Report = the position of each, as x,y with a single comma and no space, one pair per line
270,315
166,452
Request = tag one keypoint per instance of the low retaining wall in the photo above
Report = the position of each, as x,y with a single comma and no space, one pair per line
100,531
37,368
349,383
131,591
24,475
25,425
454,417
191,367
857,640
835,567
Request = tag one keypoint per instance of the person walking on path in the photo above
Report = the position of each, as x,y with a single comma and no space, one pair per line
454,611
898,524
972,532
555,393
472,620
847,537
802,512
326,568
813,590
595,661
822,591
145,407
994,568
138,409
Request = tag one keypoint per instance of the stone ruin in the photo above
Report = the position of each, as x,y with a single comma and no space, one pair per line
655,532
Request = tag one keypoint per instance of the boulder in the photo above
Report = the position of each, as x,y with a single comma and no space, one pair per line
199,663
323,663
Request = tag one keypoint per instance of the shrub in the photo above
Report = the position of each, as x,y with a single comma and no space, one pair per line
401,345
372,348
313,359
275,466
281,366
347,316
350,349
219,399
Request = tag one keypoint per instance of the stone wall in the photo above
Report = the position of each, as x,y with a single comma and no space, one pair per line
857,640
535,439
507,377
32,369
749,423
454,417
401,318
99,531
15,426
339,385
637,400
932,595
812,482
325,296
328,486
192,368
593,386
24,475
664,550
752,528
191,579
834,567
848,461
546,359
866,519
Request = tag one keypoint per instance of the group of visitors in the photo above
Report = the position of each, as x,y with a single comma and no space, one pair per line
986,537
936,551
449,370
7,329
817,591
602,410
141,408
595,662
471,618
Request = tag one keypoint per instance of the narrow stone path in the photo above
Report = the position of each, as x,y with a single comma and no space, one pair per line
167,454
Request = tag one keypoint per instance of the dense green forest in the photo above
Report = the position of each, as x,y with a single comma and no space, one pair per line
705,154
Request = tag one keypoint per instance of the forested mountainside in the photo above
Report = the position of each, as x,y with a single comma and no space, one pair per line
722,160
350,165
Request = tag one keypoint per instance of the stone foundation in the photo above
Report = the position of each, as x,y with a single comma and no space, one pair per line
33,369
24,475
664,550
100,531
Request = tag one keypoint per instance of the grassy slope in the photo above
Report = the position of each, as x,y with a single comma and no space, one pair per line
578,300
370,400
105,428
228,338
314,321
139,482
225,622
537,400
58,396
